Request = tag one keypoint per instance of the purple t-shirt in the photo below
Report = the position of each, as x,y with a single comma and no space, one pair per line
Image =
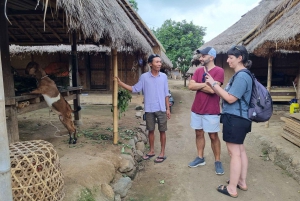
155,89
206,103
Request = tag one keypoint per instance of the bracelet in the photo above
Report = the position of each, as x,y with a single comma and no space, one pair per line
213,85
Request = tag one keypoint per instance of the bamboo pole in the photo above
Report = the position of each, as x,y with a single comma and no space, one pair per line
269,80
115,95
5,175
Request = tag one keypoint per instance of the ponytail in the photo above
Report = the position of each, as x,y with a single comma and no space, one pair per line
248,64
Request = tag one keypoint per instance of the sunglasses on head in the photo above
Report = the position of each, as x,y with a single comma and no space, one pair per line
155,55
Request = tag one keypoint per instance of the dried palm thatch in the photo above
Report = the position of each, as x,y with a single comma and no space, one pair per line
242,28
280,30
103,19
166,61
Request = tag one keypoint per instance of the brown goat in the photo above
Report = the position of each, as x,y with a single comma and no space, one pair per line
54,99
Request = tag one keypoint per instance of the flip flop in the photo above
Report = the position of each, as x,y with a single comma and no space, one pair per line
223,189
148,156
162,159
238,186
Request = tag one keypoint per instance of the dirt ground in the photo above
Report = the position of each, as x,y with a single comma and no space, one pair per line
266,181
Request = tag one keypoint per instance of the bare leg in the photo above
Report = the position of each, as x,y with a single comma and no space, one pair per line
163,145
215,145
200,142
244,158
235,166
151,143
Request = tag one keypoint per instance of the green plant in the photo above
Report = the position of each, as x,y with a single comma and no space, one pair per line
86,195
124,97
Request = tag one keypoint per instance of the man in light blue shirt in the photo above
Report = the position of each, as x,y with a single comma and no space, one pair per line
154,85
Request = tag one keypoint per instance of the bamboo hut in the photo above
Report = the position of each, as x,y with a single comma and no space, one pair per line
281,68
53,22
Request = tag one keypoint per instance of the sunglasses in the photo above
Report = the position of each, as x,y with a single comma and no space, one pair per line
155,55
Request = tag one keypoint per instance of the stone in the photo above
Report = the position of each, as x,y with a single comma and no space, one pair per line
126,164
118,197
139,107
142,129
140,146
131,143
139,156
122,186
107,191
131,174
139,114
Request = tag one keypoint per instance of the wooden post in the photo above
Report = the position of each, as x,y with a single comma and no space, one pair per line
115,94
298,85
88,71
269,80
8,80
75,81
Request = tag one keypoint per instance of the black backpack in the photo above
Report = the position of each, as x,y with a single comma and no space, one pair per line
261,104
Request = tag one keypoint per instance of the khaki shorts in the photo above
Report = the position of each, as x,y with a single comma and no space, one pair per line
161,120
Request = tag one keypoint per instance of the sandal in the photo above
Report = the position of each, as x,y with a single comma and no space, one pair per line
223,189
238,186
160,159
148,156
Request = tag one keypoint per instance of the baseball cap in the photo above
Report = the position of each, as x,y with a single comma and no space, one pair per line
208,50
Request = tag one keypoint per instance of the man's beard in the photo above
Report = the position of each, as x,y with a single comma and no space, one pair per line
205,62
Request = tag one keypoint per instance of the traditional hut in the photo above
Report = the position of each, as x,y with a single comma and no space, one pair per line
276,70
48,22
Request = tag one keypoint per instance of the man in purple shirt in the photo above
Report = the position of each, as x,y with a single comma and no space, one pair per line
154,84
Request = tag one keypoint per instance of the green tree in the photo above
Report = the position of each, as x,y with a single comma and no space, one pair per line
134,4
180,39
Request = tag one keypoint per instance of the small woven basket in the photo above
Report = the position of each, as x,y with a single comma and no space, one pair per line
36,172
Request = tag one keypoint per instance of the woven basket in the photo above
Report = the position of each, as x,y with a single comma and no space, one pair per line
36,172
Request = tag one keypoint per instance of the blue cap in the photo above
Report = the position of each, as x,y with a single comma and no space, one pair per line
208,50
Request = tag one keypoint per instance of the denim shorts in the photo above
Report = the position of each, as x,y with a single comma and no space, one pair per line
161,120
235,128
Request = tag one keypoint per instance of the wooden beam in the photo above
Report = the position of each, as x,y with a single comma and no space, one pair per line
136,23
11,35
75,80
49,27
34,28
8,80
269,81
21,27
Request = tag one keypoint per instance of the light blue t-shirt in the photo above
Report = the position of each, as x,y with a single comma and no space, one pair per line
240,87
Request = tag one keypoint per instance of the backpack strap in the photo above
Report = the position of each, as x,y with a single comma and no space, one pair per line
243,98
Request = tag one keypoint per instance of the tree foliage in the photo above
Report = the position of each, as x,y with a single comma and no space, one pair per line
134,4
180,39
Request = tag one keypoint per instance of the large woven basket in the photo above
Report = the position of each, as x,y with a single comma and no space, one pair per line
36,172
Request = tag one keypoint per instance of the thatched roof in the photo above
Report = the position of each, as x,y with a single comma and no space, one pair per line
234,34
279,30
192,70
96,21
166,60
92,49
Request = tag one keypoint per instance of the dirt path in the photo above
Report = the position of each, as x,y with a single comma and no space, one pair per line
265,180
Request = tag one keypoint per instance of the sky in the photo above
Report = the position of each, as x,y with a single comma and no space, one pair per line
215,15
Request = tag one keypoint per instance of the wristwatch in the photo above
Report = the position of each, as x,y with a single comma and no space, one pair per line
213,85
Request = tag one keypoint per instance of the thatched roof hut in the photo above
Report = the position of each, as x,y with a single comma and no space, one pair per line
280,29
234,34
96,21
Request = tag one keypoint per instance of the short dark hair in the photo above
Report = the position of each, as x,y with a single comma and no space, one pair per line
151,57
239,50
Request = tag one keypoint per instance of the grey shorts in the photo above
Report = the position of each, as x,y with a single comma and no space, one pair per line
161,120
